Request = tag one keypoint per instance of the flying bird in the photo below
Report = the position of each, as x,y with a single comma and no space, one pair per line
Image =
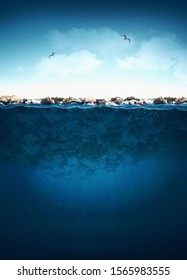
126,38
53,53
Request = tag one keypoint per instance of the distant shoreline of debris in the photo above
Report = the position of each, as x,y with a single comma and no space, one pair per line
113,101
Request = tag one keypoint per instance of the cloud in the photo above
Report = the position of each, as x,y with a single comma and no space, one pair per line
62,65
102,41
81,50
159,54
85,50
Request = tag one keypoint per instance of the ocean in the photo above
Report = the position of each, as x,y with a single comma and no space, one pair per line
93,182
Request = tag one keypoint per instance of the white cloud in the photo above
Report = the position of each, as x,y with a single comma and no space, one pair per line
102,41
159,64
159,54
62,65
82,50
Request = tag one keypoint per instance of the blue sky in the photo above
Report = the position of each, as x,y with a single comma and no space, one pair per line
92,59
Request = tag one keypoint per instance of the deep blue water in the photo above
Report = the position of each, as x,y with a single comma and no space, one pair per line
93,182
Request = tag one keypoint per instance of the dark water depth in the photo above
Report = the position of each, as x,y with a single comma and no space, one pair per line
93,183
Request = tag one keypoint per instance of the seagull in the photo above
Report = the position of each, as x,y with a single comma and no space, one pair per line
126,38
53,53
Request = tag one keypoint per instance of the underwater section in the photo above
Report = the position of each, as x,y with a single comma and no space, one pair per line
93,182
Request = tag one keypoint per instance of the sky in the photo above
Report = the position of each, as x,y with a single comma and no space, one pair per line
91,58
